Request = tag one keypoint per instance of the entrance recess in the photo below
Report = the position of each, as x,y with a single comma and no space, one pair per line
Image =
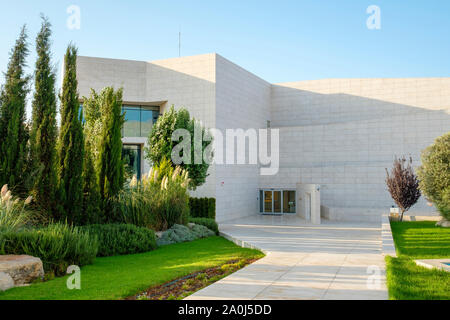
277,202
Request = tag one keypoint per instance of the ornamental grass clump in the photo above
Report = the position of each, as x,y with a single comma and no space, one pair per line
156,201
170,198
13,212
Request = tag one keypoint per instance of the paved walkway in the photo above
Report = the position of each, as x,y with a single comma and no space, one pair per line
332,261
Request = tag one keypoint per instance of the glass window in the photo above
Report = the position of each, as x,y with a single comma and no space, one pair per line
289,201
146,122
132,125
131,154
139,120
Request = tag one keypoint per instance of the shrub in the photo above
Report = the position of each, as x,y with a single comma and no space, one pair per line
434,174
201,231
203,207
179,233
444,205
13,212
121,239
57,245
403,185
207,222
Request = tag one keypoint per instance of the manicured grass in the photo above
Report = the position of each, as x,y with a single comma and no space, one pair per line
421,240
418,240
122,276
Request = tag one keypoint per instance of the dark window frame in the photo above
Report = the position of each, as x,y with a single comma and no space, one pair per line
140,108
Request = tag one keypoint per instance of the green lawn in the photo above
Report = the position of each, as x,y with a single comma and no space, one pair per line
123,276
418,240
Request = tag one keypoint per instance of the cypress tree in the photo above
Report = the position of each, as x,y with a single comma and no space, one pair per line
91,195
43,129
91,128
13,131
70,148
110,164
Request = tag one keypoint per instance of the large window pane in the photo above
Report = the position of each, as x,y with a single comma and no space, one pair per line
131,154
268,201
139,120
132,125
146,122
289,201
277,201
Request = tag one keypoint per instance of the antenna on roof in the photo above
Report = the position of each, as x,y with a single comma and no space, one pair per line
179,42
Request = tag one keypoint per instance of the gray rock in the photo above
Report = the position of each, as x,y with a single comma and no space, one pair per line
6,282
22,269
443,223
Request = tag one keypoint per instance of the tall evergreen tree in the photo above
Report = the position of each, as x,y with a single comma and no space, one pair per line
43,128
92,128
110,164
91,212
70,148
13,130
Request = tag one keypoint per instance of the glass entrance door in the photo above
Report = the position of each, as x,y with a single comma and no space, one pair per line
271,201
268,205
277,202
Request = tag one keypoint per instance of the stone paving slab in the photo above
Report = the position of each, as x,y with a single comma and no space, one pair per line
333,261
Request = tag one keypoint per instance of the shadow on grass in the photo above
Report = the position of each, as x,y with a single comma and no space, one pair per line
421,240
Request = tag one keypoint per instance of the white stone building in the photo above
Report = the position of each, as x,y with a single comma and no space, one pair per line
339,134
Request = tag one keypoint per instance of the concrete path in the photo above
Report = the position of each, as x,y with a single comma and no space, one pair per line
337,261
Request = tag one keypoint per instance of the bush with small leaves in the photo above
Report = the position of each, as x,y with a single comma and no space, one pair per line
434,174
57,245
122,239
179,233
207,222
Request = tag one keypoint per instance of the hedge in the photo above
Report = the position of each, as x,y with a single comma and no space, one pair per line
203,207
122,239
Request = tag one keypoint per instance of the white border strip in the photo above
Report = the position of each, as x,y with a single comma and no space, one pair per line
388,246
240,243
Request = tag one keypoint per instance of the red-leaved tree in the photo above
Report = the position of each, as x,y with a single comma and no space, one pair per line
403,184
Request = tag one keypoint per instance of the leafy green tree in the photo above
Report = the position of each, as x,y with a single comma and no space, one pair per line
13,130
434,174
161,144
110,166
70,148
43,129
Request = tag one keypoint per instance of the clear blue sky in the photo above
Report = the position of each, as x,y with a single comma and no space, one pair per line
277,40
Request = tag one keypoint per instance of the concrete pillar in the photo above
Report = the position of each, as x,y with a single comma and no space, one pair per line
308,202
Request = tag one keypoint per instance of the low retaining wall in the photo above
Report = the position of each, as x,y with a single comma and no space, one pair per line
351,214
388,245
